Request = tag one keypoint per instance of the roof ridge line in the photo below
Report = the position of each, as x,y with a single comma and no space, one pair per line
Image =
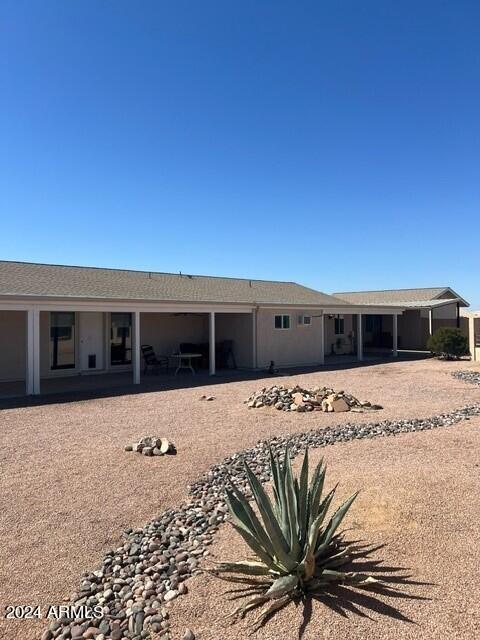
162,273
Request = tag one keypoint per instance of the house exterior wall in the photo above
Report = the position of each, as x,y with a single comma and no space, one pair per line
332,344
13,337
470,325
165,331
239,328
299,345
412,330
475,350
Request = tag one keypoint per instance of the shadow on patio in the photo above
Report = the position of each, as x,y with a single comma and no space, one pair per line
85,387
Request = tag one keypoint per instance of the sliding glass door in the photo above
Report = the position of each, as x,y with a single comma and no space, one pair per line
121,338
62,340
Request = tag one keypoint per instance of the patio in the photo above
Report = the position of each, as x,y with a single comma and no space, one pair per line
72,388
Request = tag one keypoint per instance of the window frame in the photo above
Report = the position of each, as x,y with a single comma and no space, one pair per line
302,322
54,367
340,319
282,317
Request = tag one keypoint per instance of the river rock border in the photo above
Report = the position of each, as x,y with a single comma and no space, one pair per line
473,377
138,580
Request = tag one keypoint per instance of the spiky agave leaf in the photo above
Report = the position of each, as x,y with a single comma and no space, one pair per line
295,550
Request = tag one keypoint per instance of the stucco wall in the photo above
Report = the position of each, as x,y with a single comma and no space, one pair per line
331,339
13,336
476,339
412,330
299,345
165,331
447,312
239,328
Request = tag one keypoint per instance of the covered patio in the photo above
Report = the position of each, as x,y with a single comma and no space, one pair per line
69,347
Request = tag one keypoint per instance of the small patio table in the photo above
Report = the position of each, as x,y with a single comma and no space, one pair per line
185,361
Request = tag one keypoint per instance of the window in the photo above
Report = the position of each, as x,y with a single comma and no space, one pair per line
305,321
339,326
62,340
282,322
121,338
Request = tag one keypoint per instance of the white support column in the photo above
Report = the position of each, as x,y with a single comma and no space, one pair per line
359,337
211,343
395,335
430,322
136,347
322,339
254,339
29,377
32,378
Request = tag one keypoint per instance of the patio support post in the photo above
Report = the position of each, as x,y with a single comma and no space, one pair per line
395,335
322,339
32,377
254,339
359,337
430,322
211,343
136,347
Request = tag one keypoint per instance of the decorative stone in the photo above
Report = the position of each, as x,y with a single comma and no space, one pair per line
303,400
170,595
157,558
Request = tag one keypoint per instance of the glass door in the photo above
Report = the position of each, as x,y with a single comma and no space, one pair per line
62,340
121,339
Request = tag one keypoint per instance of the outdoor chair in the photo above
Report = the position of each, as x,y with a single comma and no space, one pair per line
152,361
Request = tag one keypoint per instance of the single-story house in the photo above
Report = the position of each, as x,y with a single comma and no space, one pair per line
425,310
64,321
58,321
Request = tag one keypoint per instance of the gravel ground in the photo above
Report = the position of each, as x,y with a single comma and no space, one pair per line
68,489
418,499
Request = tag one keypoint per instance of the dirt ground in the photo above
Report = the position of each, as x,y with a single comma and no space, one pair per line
419,498
68,490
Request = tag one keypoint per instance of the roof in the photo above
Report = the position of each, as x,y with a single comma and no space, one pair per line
21,279
423,297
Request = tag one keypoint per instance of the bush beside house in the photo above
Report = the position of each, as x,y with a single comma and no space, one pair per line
448,343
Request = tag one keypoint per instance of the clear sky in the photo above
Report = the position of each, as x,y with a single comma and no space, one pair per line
335,143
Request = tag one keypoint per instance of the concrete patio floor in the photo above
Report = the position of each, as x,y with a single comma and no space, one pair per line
69,388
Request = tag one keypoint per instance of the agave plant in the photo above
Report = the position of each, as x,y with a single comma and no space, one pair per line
297,549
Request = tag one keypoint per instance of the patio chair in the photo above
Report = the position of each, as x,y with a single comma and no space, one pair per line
152,361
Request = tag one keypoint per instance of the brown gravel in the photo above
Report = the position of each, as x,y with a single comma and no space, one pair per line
68,489
420,499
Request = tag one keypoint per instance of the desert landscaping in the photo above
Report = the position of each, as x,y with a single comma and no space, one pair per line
85,520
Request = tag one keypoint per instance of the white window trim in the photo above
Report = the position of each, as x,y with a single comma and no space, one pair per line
302,322
282,315
339,317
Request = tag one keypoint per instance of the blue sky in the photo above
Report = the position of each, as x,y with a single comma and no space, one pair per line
335,143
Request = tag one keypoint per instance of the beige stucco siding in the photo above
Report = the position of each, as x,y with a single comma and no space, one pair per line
13,335
338,344
239,328
165,331
476,339
446,312
299,345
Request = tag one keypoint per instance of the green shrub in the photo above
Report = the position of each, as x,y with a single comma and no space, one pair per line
297,549
448,343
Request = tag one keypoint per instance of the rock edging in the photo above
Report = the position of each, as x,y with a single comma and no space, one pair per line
472,377
139,579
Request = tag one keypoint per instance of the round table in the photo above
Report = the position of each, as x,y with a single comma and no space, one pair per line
185,361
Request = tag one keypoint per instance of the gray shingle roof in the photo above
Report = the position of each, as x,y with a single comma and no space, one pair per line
407,297
29,279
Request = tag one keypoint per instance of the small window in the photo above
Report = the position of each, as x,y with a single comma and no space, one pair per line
339,326
282,322
305,321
